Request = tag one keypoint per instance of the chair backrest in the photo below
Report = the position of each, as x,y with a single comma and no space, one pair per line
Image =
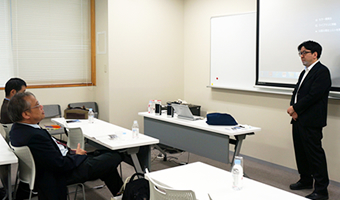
26,165
7,129
161,192
92,105
75,136
52,110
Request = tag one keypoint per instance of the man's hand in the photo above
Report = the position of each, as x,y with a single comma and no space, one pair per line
291,111
80,151
294,116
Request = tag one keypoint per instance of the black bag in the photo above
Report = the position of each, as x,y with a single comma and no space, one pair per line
220,119
137,189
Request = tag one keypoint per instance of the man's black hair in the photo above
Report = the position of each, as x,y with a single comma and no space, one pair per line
312,46
14,83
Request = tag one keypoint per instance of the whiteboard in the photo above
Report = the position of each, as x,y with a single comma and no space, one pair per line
233,55
233,51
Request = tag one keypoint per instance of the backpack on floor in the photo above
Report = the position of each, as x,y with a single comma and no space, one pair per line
136,189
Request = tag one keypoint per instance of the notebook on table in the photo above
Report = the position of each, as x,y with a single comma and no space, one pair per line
183,112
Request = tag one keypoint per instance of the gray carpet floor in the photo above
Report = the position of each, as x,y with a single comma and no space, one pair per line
274,175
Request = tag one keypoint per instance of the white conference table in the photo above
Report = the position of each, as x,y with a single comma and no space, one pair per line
7,158
99,132
197,136
205,179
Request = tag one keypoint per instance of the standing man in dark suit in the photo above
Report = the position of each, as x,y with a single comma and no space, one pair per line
308,109
56,165
13,86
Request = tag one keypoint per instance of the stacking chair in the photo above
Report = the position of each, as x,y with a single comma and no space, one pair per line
26,170
7,129
161,192
52,111
75,136
92,105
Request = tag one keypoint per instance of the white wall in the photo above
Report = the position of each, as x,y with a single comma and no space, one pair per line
145,56
268,111
101,94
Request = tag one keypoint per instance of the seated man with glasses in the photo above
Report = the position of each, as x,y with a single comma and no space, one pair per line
57,166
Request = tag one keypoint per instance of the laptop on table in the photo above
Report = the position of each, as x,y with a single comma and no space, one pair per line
183,112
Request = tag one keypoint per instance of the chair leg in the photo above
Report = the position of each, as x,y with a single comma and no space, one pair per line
16,186
30,194
83,186
68,194
75,194
83,189
76,191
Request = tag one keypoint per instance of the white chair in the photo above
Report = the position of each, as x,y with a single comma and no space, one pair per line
7,129
26,170
161,192
75,136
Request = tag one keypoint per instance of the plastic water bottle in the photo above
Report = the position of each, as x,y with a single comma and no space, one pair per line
237,173
90,116
135,130
150,107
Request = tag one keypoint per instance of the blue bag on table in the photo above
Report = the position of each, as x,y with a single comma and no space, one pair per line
220,119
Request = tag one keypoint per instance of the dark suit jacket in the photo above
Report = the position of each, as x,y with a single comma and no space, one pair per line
312,97
4,113
51,166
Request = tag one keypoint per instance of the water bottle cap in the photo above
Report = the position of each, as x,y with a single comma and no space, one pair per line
135,121
90,109
237,162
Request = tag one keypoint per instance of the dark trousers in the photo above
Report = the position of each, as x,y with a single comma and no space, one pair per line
100,165
310,156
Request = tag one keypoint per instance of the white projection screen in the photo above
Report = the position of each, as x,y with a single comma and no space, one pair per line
282,26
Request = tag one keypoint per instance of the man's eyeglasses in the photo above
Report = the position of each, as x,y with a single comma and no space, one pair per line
304,53
36,106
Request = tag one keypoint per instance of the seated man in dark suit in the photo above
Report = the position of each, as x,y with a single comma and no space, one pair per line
13,86
57,166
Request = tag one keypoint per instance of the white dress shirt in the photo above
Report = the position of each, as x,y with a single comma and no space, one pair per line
307,70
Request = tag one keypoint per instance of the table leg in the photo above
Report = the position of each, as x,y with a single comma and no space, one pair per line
133,153
7,180
238,144
9,183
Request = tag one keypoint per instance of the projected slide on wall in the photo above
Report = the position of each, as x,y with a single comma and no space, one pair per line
282,26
